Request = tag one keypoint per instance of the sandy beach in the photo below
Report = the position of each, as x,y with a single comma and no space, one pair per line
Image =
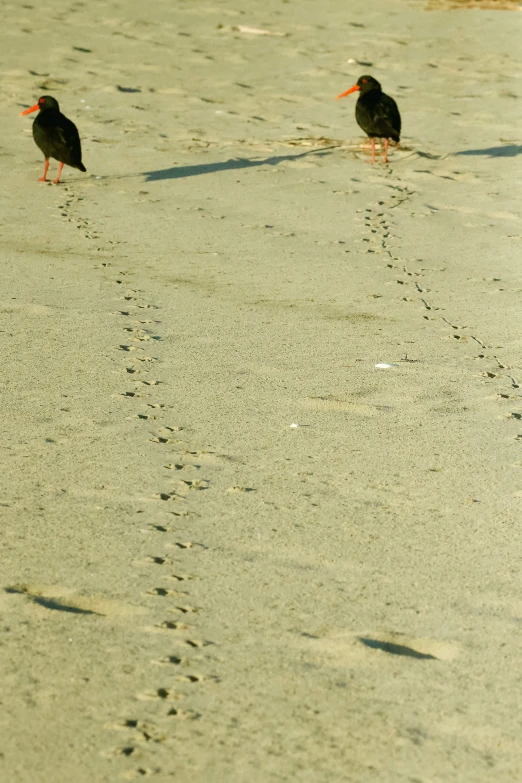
234,549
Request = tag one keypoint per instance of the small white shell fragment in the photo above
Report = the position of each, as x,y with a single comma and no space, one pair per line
243,28
384,366
351,61
295,425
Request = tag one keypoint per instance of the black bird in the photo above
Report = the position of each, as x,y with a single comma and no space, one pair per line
56,136
376,113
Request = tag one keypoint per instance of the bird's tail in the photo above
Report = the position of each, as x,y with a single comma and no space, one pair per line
81,167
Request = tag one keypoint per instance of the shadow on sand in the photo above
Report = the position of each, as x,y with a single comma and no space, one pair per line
180,172
395,649
506,151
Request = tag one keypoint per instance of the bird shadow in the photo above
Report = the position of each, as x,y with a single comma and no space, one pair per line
51,603
395,649
181,172
506,151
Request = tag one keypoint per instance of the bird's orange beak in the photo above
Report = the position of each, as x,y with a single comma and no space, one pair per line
355,88
28,111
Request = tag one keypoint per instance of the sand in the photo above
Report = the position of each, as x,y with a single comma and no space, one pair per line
193,588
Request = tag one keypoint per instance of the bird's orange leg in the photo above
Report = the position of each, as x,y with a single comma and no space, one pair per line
46,166
57,180
386,142
373,149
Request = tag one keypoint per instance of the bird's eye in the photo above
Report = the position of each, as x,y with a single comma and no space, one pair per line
41,100
365,81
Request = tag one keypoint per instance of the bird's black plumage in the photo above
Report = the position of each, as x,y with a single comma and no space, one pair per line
56,135
376,113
